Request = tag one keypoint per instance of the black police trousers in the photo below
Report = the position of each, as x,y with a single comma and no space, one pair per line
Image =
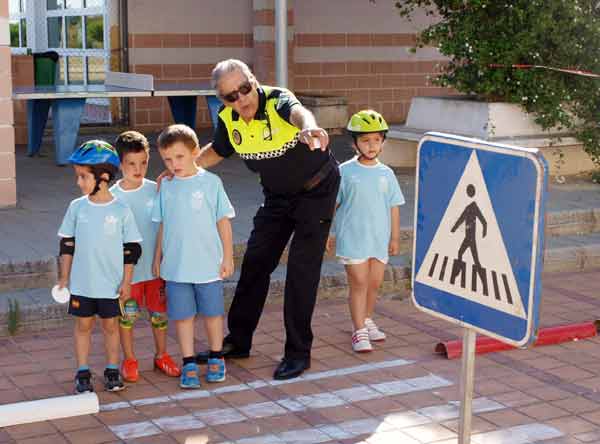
307,216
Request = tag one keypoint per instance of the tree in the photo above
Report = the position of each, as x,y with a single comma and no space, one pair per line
485,38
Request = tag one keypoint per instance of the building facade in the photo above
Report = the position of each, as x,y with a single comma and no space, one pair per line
358,49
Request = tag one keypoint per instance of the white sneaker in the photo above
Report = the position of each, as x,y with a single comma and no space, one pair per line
375,334
360,341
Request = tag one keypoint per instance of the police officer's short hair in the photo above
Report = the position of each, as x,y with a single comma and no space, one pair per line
227,66
178,133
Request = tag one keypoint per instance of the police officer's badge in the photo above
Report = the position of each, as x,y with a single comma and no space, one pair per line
267,135
237,137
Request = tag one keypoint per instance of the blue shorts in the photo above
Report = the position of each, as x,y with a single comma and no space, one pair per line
187,300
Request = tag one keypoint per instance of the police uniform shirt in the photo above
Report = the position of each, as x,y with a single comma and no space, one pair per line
100,230
189,209
141,202
362,221
269,143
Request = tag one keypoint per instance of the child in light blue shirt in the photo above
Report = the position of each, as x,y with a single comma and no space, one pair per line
367,223
100,244
194,250
146,290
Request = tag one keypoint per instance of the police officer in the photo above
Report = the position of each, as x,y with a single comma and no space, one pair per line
279,139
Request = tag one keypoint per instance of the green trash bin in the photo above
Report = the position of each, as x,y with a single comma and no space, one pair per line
45,66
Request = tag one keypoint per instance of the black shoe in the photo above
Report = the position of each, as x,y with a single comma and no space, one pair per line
83,381
291,368
229,352
112,380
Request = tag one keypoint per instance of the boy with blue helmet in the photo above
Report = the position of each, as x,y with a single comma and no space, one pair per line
364,244
99,246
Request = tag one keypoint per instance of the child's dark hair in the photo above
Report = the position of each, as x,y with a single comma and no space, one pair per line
131,142
178,133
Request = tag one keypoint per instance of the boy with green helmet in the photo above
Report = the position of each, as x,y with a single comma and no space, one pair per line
99,247
364,244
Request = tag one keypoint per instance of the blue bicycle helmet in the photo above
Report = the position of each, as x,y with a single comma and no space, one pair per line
100,157
94,152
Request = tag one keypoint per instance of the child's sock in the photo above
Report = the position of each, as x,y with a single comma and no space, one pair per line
112,367
215,354
83,368
189,360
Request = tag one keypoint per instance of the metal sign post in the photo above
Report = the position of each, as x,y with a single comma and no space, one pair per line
467,376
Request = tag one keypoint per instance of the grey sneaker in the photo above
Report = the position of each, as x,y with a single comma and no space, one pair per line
112,380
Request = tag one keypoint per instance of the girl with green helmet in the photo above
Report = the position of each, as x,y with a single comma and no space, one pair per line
366,224
366,125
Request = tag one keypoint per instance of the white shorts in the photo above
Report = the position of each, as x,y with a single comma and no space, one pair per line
351,261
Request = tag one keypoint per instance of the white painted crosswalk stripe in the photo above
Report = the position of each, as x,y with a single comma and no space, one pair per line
382,432
304,402
300,403
195,394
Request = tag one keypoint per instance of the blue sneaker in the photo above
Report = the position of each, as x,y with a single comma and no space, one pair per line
189,376
215,371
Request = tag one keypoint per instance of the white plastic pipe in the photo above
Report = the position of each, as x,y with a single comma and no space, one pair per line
46,409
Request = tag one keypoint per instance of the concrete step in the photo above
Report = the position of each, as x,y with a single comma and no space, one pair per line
572,252
38,311
43,272
28,274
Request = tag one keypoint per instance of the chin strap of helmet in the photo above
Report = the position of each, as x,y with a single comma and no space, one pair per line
99,177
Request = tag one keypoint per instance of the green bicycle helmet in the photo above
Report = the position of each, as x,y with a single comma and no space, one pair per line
367,121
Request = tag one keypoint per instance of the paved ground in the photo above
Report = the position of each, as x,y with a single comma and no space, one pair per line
401,393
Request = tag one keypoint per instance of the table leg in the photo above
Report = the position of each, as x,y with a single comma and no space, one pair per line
66,116
213,104
37,116
183,109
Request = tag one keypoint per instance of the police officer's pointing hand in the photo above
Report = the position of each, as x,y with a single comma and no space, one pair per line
316,138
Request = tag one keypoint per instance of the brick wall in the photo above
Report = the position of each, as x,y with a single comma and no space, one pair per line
22,75
8,184
152,113
368,62
385,85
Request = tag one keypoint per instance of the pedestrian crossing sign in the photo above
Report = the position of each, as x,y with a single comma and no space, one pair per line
478,235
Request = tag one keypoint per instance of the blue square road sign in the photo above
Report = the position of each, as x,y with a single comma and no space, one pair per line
479,244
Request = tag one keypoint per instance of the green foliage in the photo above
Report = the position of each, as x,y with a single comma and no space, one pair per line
476,34
14,316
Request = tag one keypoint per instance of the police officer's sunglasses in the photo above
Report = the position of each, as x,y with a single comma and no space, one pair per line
234,95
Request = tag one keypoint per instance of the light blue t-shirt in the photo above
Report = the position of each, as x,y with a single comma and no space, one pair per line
141,201
100,230
362,221
189,208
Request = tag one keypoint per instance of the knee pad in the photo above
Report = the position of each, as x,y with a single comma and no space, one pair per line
159,320
129,313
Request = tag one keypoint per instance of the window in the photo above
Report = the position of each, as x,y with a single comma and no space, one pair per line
76,30
17,24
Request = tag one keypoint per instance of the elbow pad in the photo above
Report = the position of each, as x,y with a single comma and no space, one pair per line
131,252
67,246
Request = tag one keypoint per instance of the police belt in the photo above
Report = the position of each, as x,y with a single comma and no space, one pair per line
323,172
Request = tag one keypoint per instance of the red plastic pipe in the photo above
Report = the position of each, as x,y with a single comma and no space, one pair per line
546,336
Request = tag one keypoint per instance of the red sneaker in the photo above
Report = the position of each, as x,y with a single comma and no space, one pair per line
129,370
165,364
